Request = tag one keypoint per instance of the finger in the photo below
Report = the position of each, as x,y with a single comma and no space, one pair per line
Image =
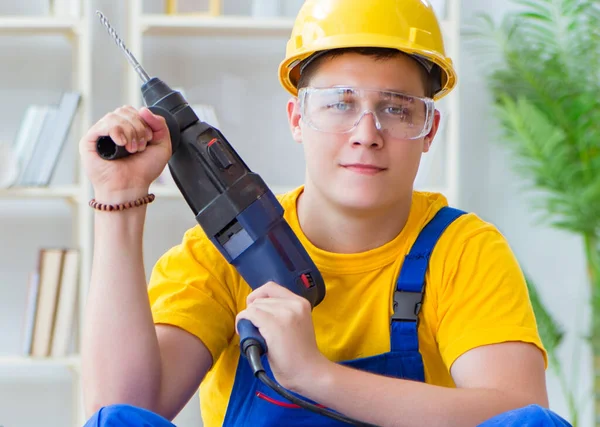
117,134
142,130
274,306
287,309
157,124
273,301
123,126
106,126
270,290
257,316
117,127
135,136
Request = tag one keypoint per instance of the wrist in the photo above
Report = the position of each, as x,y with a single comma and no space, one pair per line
319,375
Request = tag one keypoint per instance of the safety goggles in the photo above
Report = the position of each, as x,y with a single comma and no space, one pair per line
340,109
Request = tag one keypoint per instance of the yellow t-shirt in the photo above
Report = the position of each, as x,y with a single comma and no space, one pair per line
475,295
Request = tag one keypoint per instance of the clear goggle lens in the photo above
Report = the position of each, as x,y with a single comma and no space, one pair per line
340,109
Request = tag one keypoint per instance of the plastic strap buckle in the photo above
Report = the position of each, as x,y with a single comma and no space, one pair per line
407,305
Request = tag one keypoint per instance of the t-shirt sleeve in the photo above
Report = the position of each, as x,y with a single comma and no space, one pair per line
191,287
483,298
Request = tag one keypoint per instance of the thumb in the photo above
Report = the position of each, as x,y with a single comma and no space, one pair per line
157,124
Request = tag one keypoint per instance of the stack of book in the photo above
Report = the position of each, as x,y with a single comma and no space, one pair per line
51,304
39,141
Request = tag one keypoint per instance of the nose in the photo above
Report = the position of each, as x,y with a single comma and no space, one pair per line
367,131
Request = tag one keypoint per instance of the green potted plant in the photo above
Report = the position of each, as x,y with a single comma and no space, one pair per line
552,336
542,65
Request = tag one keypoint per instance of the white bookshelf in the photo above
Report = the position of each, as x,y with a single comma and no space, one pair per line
139,26
75,30
154,24
40,25
68,192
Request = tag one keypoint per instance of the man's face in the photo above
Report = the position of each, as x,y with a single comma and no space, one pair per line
365,168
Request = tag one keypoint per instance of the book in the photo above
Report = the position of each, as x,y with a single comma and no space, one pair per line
50,272
24,143
30,312
50,316
62,333
32,156
67,110
50,142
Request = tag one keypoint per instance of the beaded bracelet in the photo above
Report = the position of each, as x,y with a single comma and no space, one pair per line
122,206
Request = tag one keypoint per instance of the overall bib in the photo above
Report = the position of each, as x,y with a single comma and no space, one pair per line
253,404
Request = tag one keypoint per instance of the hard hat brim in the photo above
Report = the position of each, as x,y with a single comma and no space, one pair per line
289,69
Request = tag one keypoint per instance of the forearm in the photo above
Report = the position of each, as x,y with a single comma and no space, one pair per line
388,402
121,359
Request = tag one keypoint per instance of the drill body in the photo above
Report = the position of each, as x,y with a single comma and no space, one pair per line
233,205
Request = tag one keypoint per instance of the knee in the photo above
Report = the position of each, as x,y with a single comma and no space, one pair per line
123,415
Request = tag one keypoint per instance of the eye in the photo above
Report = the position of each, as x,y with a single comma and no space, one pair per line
397,111
340,106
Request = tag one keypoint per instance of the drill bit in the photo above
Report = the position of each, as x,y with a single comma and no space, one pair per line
136,65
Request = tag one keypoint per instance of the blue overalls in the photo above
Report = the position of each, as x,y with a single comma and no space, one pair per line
253,404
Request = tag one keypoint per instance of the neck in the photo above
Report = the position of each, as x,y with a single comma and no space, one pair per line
334,229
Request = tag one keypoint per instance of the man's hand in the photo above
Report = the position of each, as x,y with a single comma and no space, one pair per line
284,320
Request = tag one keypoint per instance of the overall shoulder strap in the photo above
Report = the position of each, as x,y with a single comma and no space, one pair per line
411,281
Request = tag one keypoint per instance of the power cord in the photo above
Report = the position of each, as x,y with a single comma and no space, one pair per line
253,353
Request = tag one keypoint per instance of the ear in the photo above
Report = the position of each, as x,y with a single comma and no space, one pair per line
428,140
293,112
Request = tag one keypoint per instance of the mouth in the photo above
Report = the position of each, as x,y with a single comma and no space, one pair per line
363,168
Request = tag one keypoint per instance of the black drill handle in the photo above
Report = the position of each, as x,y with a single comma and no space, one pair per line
109,150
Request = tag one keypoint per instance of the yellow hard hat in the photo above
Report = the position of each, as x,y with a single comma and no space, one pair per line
410,26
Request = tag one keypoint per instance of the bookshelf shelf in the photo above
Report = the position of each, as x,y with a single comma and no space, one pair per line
38,25
219,25
17,361
199,24
70,193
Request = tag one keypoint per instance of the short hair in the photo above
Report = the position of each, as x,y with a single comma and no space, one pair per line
431,80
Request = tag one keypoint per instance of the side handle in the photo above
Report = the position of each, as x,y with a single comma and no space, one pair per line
109,150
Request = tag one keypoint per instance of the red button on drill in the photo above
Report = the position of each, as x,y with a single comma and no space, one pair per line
305,280
218,154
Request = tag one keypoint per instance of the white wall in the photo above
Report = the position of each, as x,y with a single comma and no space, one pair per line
554,259
32,65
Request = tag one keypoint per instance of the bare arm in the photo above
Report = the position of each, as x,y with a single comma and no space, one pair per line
125,358
490,380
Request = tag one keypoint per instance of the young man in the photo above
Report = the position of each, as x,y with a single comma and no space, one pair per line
406,335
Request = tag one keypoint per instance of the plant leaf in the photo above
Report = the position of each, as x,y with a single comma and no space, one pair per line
543,68
550,332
